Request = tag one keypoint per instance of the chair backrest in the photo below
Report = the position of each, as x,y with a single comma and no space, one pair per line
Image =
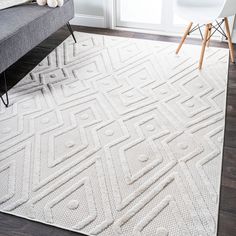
228,9
219,8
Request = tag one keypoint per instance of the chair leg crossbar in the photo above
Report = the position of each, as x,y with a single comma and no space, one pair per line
217,28
5,101
210,30
196,27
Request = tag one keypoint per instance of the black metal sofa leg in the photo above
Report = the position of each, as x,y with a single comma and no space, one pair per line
5,102
71,31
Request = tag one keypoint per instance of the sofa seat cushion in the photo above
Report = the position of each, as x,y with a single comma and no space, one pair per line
24,27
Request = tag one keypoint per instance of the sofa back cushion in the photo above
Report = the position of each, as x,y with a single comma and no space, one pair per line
10,3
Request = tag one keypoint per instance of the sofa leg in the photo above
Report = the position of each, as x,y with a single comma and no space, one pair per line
71,31
5,102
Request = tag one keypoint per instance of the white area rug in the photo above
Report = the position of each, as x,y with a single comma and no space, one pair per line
117,136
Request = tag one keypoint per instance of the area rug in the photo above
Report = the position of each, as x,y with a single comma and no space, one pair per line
117,136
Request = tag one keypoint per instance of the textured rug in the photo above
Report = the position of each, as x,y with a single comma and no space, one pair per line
117,136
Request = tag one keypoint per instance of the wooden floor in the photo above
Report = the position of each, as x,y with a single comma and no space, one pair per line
15,226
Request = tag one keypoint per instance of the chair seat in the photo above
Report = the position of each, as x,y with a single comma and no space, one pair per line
201,15
24,27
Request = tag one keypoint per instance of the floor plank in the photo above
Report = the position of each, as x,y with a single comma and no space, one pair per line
16,226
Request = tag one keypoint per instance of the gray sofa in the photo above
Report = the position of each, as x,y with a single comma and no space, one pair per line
24,27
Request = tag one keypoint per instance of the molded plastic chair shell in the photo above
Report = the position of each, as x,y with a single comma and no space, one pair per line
205,11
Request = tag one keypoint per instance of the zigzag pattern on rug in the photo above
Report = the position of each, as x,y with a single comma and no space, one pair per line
116,136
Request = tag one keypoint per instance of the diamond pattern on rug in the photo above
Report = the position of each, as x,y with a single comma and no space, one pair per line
117,136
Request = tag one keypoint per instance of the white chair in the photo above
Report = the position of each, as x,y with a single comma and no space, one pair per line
207,13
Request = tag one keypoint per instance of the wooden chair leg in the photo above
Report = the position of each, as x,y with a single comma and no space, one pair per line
204,44
184,37
209,36
231,47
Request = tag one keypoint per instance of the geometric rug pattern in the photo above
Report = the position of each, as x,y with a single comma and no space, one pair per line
117,136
